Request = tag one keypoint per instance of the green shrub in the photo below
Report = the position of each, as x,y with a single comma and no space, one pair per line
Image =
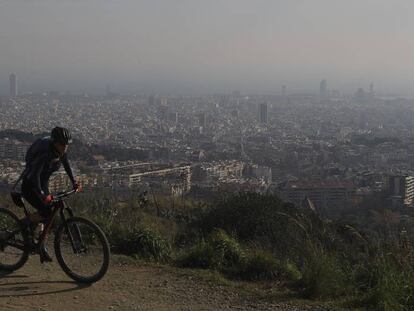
390,286
227,250
219,251
201,255
291,272
264,219
324,276
141,242
261,266
223,253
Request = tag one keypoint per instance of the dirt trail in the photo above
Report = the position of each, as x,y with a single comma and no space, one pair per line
127,286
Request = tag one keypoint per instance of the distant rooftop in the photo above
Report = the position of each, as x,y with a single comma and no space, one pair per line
318,184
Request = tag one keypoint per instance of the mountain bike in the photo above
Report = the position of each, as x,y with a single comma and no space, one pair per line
81,247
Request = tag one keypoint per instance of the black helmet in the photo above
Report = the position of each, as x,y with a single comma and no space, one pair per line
61,135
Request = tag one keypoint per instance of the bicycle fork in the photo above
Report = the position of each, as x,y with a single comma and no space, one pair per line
75,236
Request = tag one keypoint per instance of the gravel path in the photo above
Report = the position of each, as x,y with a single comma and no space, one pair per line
127,286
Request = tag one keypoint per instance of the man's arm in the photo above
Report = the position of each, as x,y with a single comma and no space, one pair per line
68,169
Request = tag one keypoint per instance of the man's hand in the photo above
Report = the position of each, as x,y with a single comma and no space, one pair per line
77,187
48,198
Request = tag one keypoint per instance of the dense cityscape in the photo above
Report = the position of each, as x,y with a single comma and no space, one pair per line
321,149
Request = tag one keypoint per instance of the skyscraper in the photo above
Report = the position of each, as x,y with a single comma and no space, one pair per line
371,90
202,119
283,90
13,85
263,113
401,188
163,112
323,88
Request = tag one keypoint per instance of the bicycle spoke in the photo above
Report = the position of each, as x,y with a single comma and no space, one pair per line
12,241
82,249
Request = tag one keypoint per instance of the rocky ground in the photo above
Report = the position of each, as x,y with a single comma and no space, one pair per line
131,285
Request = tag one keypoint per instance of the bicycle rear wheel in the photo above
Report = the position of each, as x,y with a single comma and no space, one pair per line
82,250
14,242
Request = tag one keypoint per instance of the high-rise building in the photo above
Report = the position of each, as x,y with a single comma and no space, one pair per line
284,90
202,119
163,112
263,113
401,188
371,90
323,88
13,85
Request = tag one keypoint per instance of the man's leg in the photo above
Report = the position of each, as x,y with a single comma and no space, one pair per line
43,213
30,196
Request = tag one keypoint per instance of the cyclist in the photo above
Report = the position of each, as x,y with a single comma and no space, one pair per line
43,158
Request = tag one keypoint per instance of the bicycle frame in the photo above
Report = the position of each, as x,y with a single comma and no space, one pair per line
60,206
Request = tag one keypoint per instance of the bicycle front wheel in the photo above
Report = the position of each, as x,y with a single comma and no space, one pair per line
14,242
82,250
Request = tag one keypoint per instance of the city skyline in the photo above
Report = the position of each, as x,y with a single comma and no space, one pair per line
196,47
107,90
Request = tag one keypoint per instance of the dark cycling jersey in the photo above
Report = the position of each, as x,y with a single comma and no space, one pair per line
42,160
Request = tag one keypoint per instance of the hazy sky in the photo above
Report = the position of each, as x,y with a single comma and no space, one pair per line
203,46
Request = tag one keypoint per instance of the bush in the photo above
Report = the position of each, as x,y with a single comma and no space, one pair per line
291,272
202,255
261,266
227,250
264,219
223,253
141,242
220,251
391,286
324,276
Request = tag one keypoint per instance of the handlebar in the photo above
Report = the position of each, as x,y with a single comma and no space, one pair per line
60,195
